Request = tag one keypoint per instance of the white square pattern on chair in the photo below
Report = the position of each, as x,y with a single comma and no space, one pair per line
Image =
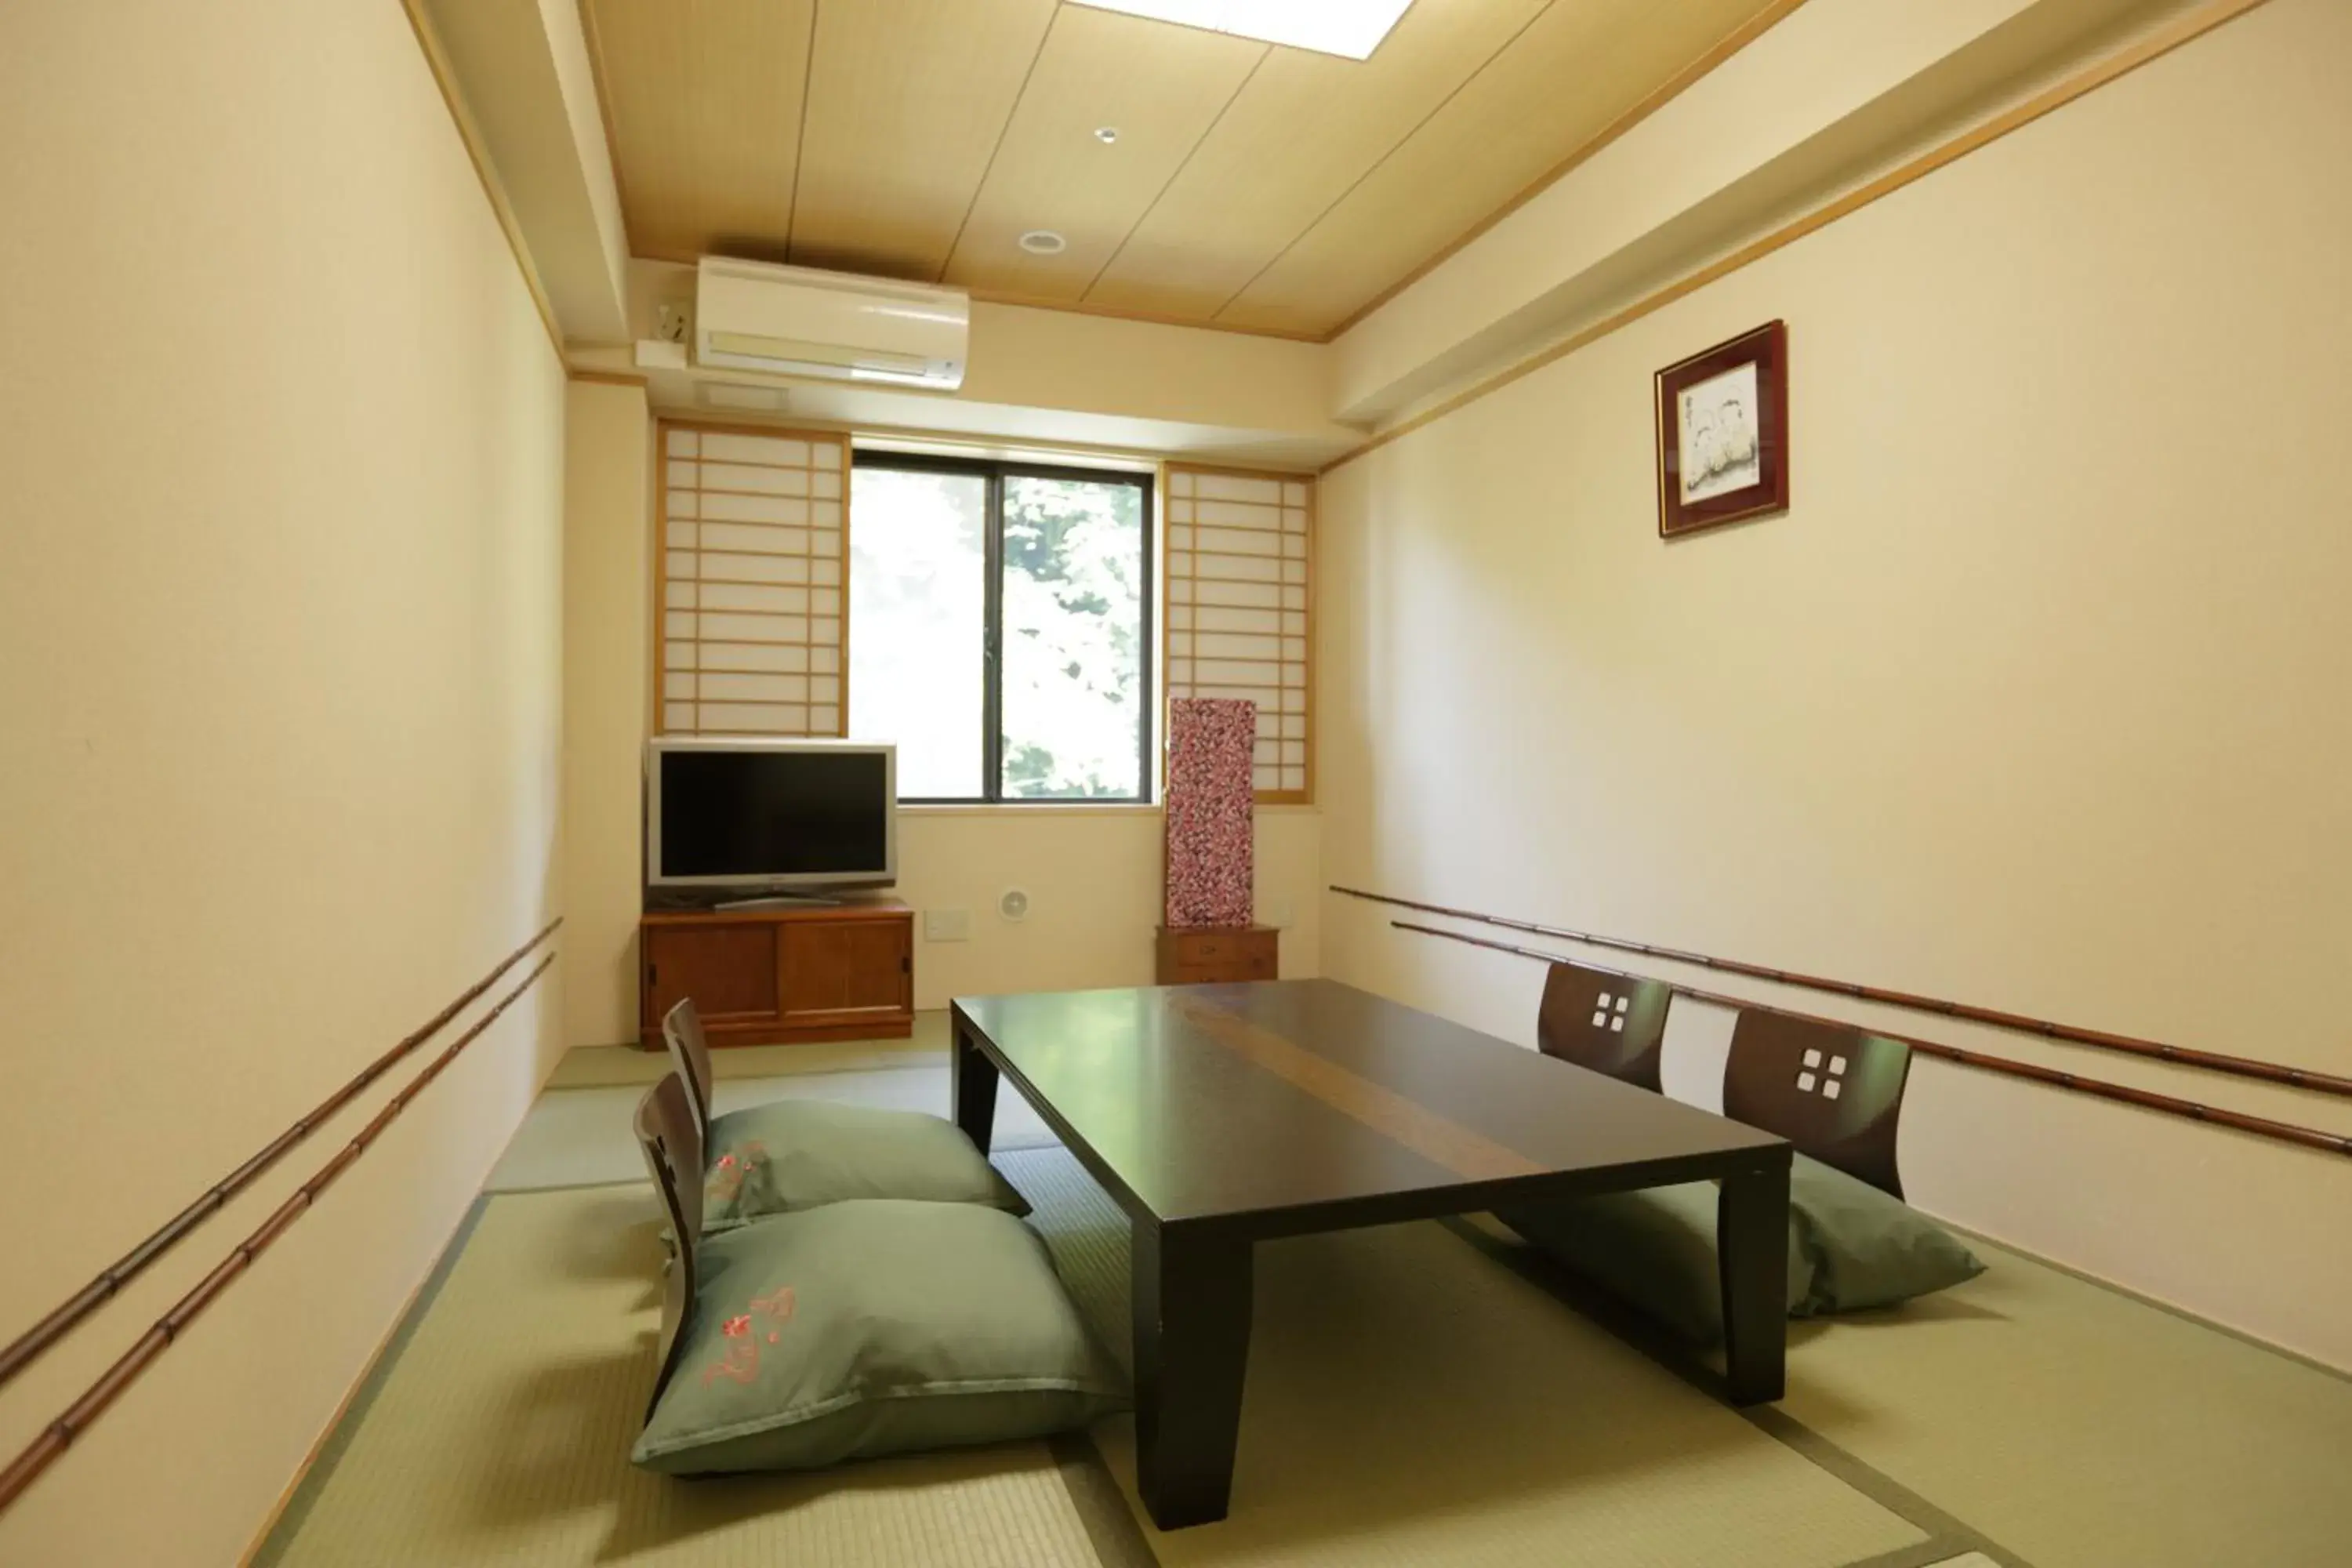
1814,1077
755,547
1238,605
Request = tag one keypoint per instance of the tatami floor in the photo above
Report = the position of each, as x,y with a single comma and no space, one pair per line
1418,1393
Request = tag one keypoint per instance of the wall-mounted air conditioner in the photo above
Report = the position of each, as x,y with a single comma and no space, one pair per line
797,321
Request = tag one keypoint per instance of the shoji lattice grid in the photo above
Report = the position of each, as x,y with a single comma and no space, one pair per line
754,530
1239,595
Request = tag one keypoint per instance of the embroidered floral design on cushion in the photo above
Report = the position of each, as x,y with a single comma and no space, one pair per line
730,1173
762,1322
1211,828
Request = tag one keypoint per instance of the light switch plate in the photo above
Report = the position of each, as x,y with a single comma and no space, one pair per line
947,925
1277,912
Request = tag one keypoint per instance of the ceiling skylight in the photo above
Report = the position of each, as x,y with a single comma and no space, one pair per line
1350,27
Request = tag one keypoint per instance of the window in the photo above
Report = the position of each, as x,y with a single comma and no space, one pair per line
1000,627
751,582
1239,602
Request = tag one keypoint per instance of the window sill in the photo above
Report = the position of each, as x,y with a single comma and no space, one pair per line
1037,808
1073,808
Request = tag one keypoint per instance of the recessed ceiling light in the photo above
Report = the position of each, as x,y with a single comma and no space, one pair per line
1044,242
1106,134
1350,27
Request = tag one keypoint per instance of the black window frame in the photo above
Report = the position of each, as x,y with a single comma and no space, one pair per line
995,473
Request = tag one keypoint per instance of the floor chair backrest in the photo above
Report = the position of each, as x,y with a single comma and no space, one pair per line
682,1029
672,1142
1613,1024
1834,1092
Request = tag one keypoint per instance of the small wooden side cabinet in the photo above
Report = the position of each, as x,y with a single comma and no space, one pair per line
1205,955
781,975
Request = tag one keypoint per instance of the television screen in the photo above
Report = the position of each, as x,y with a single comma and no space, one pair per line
793,815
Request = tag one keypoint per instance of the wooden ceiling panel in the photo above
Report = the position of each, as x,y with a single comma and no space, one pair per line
905,109
702,99
1584,68
1305,128
1256,188
1160,87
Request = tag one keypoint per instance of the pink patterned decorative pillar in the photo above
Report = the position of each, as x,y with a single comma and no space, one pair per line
1211,825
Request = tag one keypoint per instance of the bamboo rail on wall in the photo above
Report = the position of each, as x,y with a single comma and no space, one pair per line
59,1435
2260,1126
2180,1056
28,1346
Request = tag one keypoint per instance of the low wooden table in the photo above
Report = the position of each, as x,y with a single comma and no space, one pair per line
1219,1115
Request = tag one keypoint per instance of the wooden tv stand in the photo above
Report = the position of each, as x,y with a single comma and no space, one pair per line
781,975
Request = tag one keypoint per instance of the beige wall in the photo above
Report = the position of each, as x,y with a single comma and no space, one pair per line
281,622
2035,697
1093,879
607,696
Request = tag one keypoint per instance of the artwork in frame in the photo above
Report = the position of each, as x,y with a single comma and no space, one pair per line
1723,432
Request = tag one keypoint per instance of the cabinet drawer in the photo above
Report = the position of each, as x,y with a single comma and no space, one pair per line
1219,956
1219,946
1225,972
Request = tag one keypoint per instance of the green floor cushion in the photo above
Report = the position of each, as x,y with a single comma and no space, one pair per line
792,1155
1850,1246
1869,1248
872,1327
1653,1249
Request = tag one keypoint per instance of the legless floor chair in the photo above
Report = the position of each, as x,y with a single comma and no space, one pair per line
862,1328
1835,1093
801,1153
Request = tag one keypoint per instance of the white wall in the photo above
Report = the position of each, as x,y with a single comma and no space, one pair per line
2036,697
280,622
608,701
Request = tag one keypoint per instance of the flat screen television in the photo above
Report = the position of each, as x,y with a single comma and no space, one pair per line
769,815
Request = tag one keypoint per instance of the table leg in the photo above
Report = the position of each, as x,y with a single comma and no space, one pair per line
1752,1238
1192,1348
975,1089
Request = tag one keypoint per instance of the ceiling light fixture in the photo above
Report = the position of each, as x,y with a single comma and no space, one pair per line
1106,134
1352,28
1044,242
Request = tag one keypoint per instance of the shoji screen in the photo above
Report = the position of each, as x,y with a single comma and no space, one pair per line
755,536
1239,599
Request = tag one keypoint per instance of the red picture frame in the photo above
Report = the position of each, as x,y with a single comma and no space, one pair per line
1723,432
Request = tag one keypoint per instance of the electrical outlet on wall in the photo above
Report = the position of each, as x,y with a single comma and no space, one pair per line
947,925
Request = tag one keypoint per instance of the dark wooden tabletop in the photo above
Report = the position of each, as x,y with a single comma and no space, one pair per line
1308,1104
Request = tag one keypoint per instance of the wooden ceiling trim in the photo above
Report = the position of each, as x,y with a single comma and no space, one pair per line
1664,93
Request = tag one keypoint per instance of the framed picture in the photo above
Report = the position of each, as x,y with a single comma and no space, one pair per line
1723,432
